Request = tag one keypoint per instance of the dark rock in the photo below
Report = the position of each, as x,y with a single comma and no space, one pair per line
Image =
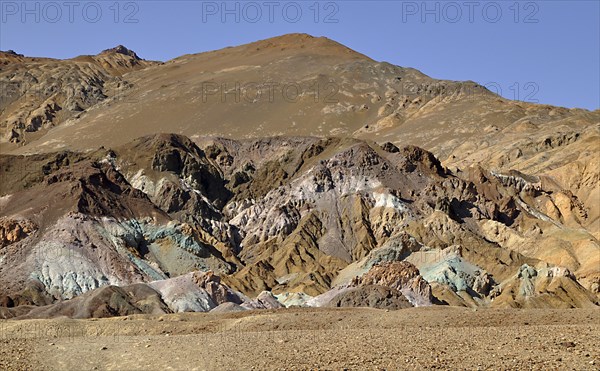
120,49
372,296
390,147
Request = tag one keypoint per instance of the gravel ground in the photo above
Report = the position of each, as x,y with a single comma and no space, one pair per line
324,339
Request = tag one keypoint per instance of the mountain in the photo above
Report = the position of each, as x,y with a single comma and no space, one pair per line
390,189
287,215
295,85
289,85
41,93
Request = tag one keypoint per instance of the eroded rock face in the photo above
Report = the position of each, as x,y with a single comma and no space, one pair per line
108,301
288,213
14,230
94,230
386,285
217,292
395,249
306,216
192,292
372,296
459,275
265,300
542,287
401,276
196,292
40,93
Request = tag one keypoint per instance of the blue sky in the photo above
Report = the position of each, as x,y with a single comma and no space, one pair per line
546,51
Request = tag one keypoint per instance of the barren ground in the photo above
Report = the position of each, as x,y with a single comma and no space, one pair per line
329,339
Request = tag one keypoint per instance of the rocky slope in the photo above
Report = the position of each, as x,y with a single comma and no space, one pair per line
308,338
37,94
301,85
302,169
192,292
297,216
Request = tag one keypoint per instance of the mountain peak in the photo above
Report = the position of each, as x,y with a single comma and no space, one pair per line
298,39
12,52
291,37
305,41
120,49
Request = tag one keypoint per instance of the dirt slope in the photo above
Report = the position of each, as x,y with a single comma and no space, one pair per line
354,339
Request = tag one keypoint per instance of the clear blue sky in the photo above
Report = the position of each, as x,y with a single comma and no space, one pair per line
531,50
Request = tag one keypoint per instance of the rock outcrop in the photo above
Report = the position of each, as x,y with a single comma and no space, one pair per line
41,93
401,276
193,292
12,231
296,200
372,296
282,215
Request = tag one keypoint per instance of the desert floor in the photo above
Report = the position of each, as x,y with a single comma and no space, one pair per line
328,339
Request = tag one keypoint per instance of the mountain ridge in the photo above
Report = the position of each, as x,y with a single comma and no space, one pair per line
291,165
285,215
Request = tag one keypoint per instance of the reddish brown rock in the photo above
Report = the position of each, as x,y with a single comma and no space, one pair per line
401,276
12,230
